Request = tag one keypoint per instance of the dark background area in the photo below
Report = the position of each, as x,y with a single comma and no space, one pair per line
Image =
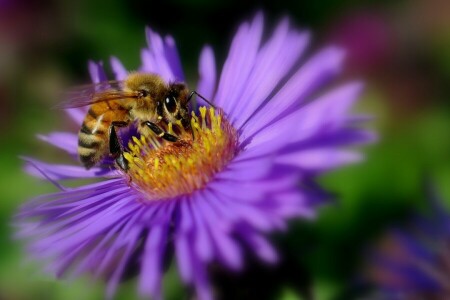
401,49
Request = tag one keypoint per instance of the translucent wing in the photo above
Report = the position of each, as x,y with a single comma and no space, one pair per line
97,92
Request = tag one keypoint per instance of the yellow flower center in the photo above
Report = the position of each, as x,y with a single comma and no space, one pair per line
164,170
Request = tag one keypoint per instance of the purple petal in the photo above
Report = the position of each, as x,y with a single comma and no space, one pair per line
313,74
327,113
184,258
120,73
226,248
335,138
224,214
92,225
173,58
148,62
60,172
239,64
91,258
76,114
186,220
247,190
202,243
259,245
157,56
207,70
275,182
269,141
97,72
212,214
319,159
151,272
118,272
246,170
114,254
64,196
62,265
202,286
273,63
294,204
252,215
63,140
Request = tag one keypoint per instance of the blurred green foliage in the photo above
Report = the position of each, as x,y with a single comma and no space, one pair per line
45,46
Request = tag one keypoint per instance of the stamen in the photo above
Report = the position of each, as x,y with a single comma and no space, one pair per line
163,170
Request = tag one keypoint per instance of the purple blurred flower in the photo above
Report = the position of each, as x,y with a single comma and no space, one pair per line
286,134
367,39
414,263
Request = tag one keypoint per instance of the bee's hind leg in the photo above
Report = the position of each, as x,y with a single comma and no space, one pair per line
160,132
115,148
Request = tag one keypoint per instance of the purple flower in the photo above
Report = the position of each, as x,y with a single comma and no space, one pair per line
414,262
249,169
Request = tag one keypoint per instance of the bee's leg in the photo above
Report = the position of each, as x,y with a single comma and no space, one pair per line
115,148
160,132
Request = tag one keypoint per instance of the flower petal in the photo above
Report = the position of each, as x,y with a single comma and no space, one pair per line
120,73
326,114
76,114
207,70
173,57
184,258
63,140
97,72
201,282
155,58
61,172
319,159
272,64
151,271
314,73
226,248
239,64
202,243
258,244
246,170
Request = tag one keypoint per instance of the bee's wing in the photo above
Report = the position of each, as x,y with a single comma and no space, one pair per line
97,92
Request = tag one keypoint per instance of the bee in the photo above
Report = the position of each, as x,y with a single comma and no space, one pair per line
142,98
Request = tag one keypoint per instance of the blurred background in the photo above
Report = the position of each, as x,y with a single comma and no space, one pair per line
400,48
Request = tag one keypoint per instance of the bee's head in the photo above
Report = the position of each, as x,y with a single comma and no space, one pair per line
173,105
147,87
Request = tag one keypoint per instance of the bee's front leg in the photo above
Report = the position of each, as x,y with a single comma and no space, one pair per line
160,132
115,148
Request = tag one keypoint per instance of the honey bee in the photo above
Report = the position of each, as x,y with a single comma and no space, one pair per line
142,98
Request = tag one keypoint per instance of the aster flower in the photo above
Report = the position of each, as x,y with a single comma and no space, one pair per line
414,262
250,168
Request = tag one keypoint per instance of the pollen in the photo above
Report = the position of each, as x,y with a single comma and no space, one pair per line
164,170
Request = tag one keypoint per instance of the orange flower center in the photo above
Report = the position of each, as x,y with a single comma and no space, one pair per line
164,170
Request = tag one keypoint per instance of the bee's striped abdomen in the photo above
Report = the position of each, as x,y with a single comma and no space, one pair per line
93,137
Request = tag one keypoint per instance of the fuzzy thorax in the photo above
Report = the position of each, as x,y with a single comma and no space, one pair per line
164,170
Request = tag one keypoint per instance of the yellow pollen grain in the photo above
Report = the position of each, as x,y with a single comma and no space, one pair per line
164,170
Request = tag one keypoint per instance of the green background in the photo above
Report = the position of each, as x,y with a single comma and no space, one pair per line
45,45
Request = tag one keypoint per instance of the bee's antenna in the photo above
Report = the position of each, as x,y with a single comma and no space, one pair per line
206,100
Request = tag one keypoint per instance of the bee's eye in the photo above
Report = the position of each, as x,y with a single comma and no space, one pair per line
143,93
171,104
